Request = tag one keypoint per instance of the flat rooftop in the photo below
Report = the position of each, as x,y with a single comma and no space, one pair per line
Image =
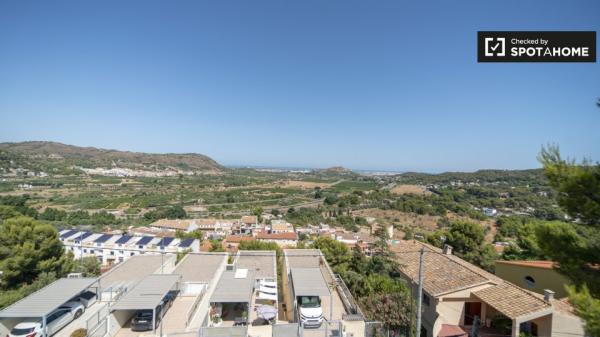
133,270
231,289
261,262
148,293
302,258
45,300
200,267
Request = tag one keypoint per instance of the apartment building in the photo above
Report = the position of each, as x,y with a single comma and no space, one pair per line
113,248
458,295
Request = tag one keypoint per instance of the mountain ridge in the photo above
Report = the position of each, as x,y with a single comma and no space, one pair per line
92,157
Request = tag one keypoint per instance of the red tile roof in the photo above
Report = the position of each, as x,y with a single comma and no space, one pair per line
277,236
535,264
238,238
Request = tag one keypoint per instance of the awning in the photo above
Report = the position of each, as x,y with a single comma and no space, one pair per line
230,289
512,301
47,299
309,282
148,294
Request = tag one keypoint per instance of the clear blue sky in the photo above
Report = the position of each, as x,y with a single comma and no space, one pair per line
363,84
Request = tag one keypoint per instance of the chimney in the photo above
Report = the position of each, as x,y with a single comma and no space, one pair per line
447,249
548,295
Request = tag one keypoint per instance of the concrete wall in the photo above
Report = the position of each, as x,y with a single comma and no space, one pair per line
544,278
201,316
544,325
565,325
118,319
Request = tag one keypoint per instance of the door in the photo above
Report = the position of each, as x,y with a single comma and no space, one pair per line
472,309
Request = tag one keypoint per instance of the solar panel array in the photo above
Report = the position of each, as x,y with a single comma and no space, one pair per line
68,233
186,243
103,238
144,240
123,239
83,236
165,241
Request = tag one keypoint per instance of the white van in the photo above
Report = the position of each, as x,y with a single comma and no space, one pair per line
310,311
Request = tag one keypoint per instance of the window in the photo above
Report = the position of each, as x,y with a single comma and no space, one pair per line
529,281
85,250
131,253
112,252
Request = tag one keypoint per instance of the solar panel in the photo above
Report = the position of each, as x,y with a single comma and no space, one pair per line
82,236
165,241
186,243
68,233
103,238
124,239
144,240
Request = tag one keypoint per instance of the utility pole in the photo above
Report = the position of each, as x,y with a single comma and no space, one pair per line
420,293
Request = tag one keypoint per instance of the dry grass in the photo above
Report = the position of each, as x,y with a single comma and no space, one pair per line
307,185
410,189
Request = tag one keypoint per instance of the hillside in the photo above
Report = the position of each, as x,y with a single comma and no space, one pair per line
51,154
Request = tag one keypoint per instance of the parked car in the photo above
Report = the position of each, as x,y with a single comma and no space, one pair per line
142,321
75,308
167,301
58,319
87,298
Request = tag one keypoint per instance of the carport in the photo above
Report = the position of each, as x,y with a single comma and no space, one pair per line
234,288
43,302
148,295
310,282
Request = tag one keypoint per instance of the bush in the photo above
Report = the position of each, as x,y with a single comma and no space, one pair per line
79,333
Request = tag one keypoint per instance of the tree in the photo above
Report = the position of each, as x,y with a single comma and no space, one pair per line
576,247
392,309
175,212
88,265
216,246
335,252
318,193
468,241
258,212
29,248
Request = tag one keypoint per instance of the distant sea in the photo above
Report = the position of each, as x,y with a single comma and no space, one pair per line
310,169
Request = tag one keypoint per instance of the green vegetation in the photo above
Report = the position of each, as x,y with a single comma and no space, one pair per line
31,256
374,282
576,247
468,241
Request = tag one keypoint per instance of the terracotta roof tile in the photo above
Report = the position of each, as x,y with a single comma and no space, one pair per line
511,300
277,236
525,263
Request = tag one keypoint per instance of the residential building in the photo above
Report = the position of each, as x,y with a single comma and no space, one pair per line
287,239
110,249
185,225
231,242
533,275
456,294
248,224
280,226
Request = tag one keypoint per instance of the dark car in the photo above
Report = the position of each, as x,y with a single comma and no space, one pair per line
167,301
142,321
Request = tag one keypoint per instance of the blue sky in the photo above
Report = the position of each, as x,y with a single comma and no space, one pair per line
364,84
